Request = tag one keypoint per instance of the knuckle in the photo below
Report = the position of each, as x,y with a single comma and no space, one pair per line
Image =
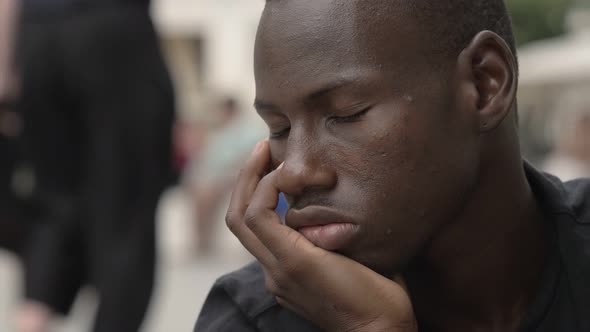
254,216
251,218
230,220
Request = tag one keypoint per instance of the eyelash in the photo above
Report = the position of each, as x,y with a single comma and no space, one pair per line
351,118
339,119
279,134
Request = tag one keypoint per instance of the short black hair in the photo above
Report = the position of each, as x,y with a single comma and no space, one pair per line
454,23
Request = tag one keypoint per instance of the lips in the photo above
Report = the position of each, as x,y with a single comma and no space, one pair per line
323,227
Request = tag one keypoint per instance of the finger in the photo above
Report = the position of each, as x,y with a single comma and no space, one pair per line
253,171
265,223
254,245
248,179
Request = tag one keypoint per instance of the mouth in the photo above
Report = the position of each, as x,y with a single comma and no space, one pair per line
323,227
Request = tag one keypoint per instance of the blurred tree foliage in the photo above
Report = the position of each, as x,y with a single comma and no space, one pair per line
538,19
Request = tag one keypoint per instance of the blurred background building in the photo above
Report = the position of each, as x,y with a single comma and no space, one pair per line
554,102
208,45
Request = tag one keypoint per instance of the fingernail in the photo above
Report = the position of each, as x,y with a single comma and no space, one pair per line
257,147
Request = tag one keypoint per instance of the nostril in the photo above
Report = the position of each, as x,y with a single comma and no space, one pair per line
305,168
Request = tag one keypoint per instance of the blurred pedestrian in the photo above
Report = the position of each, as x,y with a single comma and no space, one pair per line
97,107
13,229
211,174
571,157
8,81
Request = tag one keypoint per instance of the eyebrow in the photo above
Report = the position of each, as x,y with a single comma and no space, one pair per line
264,106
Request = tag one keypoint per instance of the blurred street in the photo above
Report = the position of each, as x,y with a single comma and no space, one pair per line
184,279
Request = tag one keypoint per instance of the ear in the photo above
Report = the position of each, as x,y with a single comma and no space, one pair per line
492,73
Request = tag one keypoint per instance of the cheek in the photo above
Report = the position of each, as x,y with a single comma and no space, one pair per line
410,168
376,171
436,171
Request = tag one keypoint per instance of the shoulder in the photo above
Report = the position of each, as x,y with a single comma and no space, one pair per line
569,199
574,239
239,301
247,290
577,197
235,301
569,207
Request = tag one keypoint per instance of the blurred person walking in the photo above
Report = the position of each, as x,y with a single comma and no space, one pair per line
210,175
97,106
571,157
13,229
8,81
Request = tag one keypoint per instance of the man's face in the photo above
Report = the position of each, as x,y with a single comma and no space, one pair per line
368,124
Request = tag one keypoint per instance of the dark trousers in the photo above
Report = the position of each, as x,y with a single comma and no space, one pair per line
97,107
14,225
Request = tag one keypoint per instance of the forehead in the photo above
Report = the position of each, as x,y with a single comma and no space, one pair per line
308,40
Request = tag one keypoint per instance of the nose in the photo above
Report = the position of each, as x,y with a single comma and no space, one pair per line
306,168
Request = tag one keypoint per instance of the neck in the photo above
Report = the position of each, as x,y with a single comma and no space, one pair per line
482,271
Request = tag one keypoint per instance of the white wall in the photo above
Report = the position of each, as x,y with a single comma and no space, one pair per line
227,28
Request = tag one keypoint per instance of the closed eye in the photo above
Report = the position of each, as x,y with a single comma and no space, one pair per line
350,118
279,134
